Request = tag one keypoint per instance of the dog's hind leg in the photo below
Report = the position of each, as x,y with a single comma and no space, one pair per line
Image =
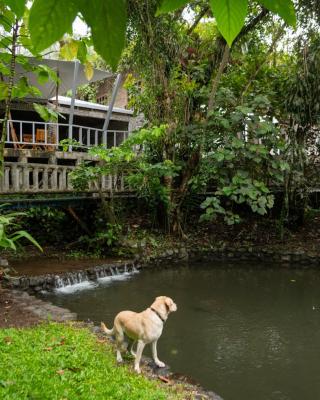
140,348
159,363
133,353
119,348
119,334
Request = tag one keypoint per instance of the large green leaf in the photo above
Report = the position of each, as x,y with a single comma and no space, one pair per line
49,20
17,6
170,5
284,8
230,16
23,234
3,90
107,20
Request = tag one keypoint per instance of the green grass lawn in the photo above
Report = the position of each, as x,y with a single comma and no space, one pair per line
65,362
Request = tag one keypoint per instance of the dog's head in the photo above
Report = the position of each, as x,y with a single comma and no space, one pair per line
164,305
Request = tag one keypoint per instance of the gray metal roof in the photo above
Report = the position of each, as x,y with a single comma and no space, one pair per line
63,100
65,70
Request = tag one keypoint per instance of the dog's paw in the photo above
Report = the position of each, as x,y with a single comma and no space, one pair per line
137,370
160,364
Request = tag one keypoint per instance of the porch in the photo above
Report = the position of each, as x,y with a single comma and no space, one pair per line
36,162
46,136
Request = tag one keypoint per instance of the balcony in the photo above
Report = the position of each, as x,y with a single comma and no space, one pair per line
46,136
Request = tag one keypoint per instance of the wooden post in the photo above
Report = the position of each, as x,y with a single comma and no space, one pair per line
112,101
73,99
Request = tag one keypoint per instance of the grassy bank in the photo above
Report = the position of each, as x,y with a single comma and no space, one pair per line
55,361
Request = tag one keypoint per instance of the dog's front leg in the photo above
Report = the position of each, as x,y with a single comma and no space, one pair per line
159,363
140,348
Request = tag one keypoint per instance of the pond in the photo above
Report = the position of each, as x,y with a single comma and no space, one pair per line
247,332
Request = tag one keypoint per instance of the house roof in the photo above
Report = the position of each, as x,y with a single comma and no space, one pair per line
66,101
65,71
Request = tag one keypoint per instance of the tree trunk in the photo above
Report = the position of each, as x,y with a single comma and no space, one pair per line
9,95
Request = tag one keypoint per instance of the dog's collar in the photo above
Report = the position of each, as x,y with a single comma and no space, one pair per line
158,314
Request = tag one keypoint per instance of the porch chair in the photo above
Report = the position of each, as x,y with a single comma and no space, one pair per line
51,138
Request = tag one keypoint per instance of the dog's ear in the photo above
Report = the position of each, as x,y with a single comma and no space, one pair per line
171,306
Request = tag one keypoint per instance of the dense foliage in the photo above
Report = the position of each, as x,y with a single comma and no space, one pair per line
230,106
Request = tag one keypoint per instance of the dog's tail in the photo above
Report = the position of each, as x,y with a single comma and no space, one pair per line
109,332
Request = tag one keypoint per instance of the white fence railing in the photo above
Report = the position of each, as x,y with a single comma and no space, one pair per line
37,178
47,135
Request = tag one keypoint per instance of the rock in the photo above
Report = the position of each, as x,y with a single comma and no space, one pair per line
130,243
36,281
183,254
15,282
96,329
4,262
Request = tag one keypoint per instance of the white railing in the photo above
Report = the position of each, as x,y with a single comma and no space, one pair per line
42,178
47,135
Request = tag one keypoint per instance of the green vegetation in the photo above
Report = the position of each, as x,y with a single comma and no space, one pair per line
9,240
53,361
219,118
231,105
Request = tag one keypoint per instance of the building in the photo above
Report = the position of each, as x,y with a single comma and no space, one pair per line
35,160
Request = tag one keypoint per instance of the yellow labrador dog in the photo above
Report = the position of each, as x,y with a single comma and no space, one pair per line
145,327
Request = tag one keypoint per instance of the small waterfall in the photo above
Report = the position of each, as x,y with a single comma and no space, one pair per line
72,281
75,280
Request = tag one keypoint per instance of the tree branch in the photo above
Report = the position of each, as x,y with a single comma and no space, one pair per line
251,25
226,54
198,19
215,83
8,98
271,49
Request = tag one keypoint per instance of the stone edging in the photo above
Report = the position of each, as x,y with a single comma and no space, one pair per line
287,258
180,254
42,309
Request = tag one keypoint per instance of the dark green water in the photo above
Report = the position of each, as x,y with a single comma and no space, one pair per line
247,333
